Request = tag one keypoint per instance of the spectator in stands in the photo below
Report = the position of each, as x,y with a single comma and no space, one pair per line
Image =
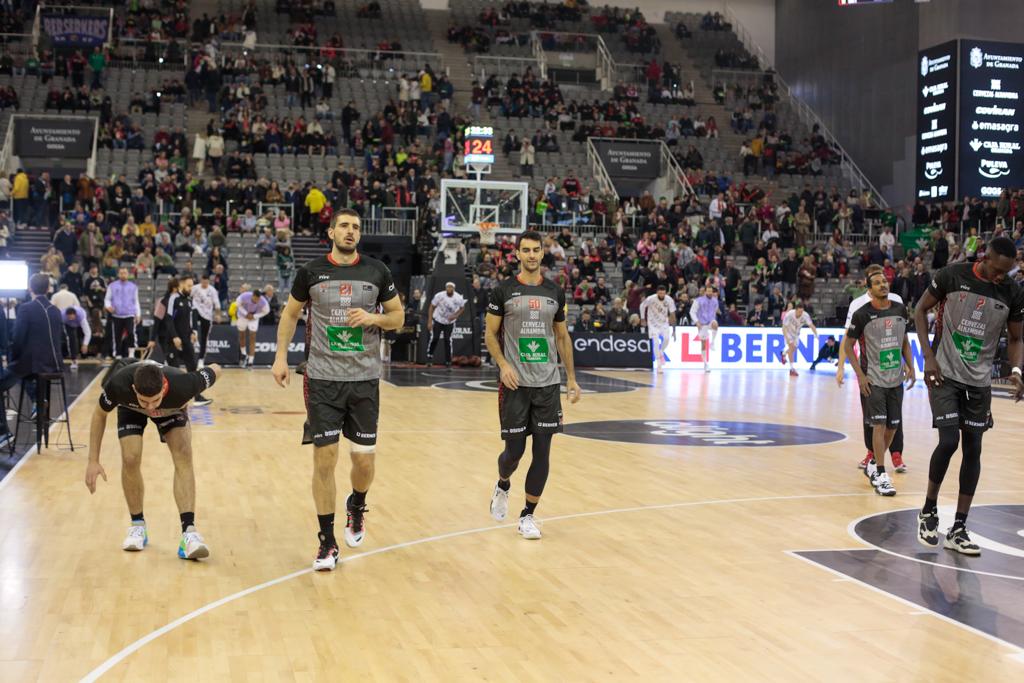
887,242
758,317
806,278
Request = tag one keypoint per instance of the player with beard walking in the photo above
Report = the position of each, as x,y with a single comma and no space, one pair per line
793,321
342,290
525,325
445,309
896,447
658,313
976,301
881,328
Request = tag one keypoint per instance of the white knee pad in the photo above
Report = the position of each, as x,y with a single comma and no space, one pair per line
358,449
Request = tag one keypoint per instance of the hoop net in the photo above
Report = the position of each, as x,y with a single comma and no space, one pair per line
488,233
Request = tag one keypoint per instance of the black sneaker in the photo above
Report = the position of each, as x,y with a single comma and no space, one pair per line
327,556
928,529
958,540
354,530
201,400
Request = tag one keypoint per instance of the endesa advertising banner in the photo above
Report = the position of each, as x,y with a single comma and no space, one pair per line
611,350
755,348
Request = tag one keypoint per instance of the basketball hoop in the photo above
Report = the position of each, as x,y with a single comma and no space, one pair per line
488,233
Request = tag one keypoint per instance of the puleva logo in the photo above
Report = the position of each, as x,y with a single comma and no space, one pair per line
924,66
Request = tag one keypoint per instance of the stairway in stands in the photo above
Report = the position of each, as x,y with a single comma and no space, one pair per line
29,244
305,248
460,73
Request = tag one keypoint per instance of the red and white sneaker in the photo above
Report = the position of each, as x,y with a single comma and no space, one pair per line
326,556
867,458
793,373
897,462
782,359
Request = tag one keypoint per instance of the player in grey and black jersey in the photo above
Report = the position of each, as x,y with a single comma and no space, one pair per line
975,303
881,327
343,291
525,325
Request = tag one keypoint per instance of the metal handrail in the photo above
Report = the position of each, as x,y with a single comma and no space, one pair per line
807,115
600,172
538,54
677,170
480,62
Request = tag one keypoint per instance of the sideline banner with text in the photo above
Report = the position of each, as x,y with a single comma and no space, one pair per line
611,350
222,346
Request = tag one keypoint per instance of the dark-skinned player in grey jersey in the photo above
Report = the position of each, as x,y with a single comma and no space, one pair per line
975,301
525,325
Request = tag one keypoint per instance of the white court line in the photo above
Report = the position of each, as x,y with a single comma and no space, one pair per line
949,620
120,656
851,529
32,451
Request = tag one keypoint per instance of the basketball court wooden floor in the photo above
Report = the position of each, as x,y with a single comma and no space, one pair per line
742,549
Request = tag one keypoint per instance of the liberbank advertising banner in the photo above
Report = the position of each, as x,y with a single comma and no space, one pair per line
754,348
991,117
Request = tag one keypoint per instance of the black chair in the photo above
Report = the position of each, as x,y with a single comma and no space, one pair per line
44,382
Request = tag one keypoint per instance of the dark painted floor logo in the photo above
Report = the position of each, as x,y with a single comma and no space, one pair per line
702,433
983,593
484,379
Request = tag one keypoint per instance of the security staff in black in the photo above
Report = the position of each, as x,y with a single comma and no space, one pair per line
144,392
525,326
976,302
181,337
343,292
881,328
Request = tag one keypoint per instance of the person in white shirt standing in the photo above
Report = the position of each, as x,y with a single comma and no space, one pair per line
887,243
445,309
793,321
206,304
658,313
704,314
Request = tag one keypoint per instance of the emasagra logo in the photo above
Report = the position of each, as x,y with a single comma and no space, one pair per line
977,57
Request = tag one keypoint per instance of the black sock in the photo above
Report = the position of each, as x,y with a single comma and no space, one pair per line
528,510
326,526
187,519
960,519
357,499
930,505
504,484
138,518
880,469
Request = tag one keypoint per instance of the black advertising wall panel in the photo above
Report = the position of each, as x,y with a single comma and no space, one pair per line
991,117
935,179
53,137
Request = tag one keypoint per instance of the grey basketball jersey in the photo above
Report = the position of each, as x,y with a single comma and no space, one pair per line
971,316
529,314
340,352
881,333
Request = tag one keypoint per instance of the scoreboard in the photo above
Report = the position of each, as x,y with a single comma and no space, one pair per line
478,145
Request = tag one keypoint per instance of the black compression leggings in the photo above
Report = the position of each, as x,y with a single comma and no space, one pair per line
970,466
537,475
897,440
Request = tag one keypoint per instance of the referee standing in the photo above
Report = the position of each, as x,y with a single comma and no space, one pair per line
445,309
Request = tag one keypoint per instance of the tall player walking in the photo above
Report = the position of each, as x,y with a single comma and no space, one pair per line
525,324
896,447
881,327
658,313
794,320
704,312
342,376
975,302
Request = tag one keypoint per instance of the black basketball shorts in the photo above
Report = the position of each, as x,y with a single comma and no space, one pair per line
133,423
348,409
529,410
958,405
884,406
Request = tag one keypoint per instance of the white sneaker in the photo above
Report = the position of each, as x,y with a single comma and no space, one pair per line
241,363
355,529
192,546
870,470
136,539
499,504
200,365
528,528
74,365
883,484
249,363
706,368
327,556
